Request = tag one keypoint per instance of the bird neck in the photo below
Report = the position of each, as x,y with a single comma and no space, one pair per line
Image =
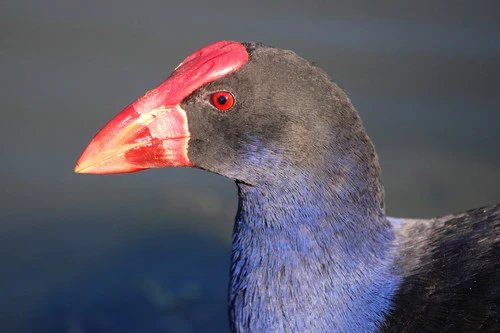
310,260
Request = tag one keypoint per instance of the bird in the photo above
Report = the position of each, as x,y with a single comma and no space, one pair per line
312,249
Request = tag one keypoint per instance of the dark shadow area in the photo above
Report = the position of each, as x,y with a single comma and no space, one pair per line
173,281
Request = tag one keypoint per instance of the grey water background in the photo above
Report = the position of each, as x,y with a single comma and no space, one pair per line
149,252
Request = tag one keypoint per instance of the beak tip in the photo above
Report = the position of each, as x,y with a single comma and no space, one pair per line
78,169
87,165
82,164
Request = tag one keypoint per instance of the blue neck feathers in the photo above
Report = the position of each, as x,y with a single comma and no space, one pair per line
310,258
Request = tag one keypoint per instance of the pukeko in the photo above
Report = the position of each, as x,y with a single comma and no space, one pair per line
313,250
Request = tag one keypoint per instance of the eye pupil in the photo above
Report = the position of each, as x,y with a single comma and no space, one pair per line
222,100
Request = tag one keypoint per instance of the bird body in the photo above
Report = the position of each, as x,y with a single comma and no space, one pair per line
313,250
450,270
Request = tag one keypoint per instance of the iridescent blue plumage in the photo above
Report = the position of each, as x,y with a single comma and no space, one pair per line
296,268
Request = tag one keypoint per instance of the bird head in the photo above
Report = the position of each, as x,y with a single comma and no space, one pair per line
244,110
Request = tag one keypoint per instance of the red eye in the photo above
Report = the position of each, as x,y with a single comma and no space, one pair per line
222,100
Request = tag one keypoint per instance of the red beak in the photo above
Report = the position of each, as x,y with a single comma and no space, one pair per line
153,131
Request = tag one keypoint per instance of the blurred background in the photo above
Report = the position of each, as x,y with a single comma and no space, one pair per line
149,252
